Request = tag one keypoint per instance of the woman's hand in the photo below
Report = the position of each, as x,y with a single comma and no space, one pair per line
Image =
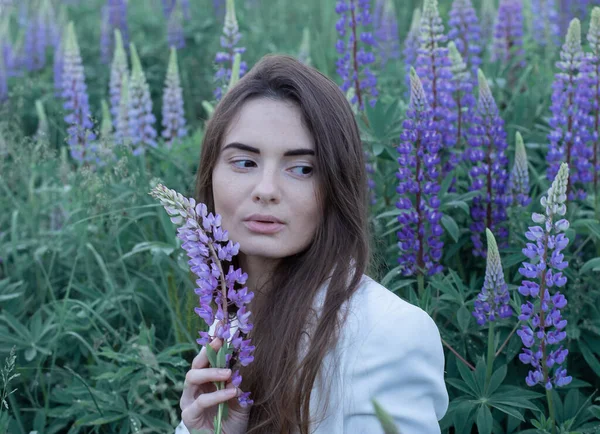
200,398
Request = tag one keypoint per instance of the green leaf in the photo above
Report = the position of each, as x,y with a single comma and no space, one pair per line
484,420
212,356
221,356
450,225
387,422
589,356
459,384
463,317
467,376
496,380
509,410
592,264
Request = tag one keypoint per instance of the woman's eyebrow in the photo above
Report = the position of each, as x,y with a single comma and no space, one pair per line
248,148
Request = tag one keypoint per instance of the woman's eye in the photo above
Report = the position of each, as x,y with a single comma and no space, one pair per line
303,170
243,164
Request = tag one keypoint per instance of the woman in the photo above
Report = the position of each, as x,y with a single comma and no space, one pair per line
283,145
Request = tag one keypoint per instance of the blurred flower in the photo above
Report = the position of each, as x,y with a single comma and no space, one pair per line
519,175
567,138
488,18
545,326
3,81
420,230
508,33
433,66
489,175
114,16
173,119
118,70
354,60
106,127
122,122
229,40
385,25
76,102
207,245
304,50
175,36
141,120
492,302
546,29
59,58
412,44
464,30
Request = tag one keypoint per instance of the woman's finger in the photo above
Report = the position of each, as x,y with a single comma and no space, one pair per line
206,375
207,400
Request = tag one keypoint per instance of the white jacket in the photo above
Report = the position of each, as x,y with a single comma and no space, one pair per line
389,350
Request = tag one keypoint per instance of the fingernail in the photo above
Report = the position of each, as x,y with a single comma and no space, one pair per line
224,371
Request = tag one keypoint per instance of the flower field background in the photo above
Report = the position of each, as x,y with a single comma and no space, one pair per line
481,127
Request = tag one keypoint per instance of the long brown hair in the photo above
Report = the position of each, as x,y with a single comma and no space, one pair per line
279,385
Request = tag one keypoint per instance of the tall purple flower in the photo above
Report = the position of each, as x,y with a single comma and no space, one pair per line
489,176
170,5
173,119
567,122
464,101
546,28
433,67
519,175
114,16
355,56
412,44
118,70
229,41
464,30
545,326
58,66
36,40
508,34
141,120
207,245
175,37
76,102
492,302
387,45
3,81
420,229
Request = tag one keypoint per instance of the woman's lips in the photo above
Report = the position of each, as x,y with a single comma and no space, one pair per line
263,227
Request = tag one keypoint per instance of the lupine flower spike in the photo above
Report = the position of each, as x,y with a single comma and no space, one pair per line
106,127
173,119
545,29
519,175
492,303
385,25
76,102
508,35
304,50
175,37
412,44
118,70
229,41
490,175
420,230
114,14
545,326
433,67
122,124
58,66
355,54
464,101
567,139
464,30
141,119
3,80
207,245
589,90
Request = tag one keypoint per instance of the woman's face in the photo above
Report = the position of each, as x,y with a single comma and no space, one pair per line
266,167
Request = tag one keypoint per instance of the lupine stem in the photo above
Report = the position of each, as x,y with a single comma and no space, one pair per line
458,356
490,354
421,282
507,339
551,410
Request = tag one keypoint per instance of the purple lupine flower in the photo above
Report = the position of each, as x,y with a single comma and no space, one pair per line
170,5
464,101
464,30
141,120
492,302
354,60
546,28
175,36
489,176
207,245
35,42
568,134
122,123
412,44
420,229
3,81
118,70
518,181
76,102
387,45
508,33
173,119
58,66
589,88
229,40
114,16
545,326
433,66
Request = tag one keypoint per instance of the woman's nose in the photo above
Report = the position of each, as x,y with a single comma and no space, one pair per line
267,188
